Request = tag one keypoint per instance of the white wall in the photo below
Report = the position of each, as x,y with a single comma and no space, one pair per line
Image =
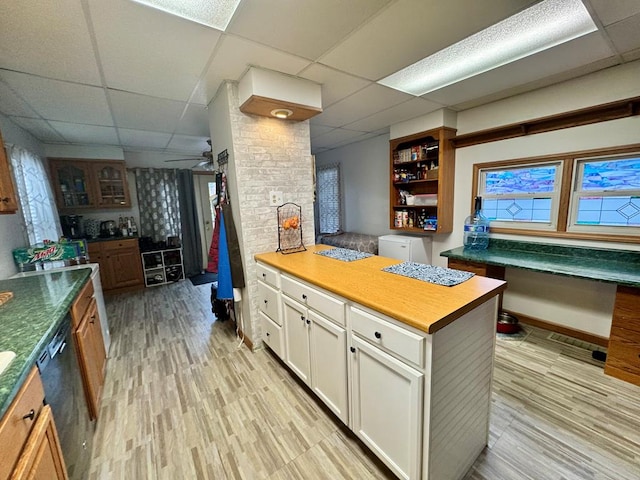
580,304
364,170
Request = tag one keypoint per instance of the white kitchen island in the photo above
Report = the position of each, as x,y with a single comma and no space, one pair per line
405,364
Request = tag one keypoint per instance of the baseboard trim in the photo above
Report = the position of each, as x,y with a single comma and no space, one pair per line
246,340
570,332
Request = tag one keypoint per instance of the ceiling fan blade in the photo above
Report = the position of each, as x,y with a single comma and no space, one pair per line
182,159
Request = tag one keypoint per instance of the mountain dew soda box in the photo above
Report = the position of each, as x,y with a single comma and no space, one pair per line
50,251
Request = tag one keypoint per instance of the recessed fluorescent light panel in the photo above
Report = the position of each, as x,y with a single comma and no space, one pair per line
212,13
540,27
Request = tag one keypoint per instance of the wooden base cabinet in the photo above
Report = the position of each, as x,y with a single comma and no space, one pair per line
42,456
120,264
623,355
29,445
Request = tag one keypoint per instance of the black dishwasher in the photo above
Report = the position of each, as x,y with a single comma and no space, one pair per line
63,390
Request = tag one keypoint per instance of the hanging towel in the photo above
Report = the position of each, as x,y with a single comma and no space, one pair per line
225,282
212,264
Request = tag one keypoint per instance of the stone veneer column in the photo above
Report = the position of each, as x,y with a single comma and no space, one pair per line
268,154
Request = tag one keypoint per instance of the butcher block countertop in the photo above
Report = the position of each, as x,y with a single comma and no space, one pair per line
420,304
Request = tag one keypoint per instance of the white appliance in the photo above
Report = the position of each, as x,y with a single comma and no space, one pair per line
405,247
97,293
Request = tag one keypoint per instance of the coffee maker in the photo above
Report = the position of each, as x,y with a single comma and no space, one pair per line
71,226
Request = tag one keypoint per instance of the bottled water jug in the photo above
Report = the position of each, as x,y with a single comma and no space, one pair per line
476,229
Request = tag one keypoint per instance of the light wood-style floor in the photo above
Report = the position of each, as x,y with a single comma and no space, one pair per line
182,401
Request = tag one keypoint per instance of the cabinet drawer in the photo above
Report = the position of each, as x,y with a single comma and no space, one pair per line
14,428
272,335
81,303
268,275
112,245
330,307
403,343
268,302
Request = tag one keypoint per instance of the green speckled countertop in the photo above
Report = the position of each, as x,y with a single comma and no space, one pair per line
29,320
605,265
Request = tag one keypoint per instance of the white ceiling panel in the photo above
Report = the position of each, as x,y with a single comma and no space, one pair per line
310,29
195,121
58,100
337,135
367,101
364,136
611,11
142,139
233,58
135,111
404,111
188,143
410,30
335,85
625,34
47,38
316,130
577,53
147,51
14,105
39,129
86,134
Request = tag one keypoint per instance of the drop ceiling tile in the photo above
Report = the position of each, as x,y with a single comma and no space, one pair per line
611,11
12,104
335,136
195,121
307,30
410,30
577,53
140,112
39,129
58,100
192,144
316,130
399,113
233,58
145,50
367,101
50,39
335,85
632,55
86,134
142,139
625,34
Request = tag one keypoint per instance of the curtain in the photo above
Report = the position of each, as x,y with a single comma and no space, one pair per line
35,195
191,245
159,203
328,190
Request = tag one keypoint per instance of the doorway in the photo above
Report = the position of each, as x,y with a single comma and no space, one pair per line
205,184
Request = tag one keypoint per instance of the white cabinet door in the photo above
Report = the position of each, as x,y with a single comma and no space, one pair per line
328,344
387,407
296,335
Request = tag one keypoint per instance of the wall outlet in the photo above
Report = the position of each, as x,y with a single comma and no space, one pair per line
275,198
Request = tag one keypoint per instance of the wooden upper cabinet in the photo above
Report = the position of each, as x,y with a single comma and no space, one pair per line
112,188
84,184
8,199
421,182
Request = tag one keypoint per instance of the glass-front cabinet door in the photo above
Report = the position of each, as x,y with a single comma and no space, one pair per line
72,184
112,188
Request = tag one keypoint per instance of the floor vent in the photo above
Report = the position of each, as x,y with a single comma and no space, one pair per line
592,347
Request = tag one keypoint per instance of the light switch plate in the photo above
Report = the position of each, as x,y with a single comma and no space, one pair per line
275,198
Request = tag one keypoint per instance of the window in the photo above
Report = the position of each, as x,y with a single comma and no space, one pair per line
36,198
329,207
606,195
594,195
521,195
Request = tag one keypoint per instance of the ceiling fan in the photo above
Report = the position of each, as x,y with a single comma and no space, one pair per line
206,164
